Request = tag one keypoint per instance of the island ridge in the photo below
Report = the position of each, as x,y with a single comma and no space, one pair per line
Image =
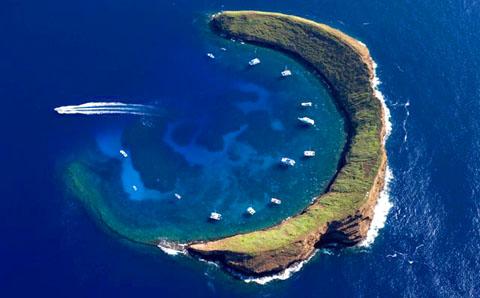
341,216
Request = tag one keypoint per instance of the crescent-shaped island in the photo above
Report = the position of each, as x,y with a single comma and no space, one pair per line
339,217
343,214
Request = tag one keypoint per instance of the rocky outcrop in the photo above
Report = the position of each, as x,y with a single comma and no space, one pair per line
353,229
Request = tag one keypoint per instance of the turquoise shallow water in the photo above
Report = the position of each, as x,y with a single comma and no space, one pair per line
220,149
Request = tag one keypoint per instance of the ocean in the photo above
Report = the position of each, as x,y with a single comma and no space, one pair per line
213,130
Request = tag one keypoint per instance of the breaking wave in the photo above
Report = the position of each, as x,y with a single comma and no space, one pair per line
380,212
379,95
171,248
101,108
284,275
384,204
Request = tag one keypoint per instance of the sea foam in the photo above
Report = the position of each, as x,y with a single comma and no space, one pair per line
384,204
284,275
381,210
101,108
171,248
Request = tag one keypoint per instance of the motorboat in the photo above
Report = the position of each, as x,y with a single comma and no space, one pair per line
215,216
306,120
306,104
123,153
178,196
254,61
251,211
287,161
210,55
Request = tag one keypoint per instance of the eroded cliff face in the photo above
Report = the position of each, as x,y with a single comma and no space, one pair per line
353,229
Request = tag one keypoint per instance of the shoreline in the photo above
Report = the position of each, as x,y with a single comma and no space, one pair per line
342,231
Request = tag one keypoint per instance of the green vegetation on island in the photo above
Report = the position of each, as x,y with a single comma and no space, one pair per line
344,64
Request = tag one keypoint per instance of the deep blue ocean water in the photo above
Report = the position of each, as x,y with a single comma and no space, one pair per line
55,53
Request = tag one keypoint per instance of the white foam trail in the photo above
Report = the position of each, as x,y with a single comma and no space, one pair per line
375,84
172,250
361,43
380,212
101,108
384,204
407,104
284,275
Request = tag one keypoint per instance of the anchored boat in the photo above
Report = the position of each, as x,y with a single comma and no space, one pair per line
275,201
215,216
254,61
306,120
286,72
309,153
287,161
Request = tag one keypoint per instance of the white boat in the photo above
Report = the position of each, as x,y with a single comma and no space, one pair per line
251,211
134,187
306,120
275,201
286,72
309,153
223,49
215,216
178,196
288,161
254,61
123,153
210,55
306,104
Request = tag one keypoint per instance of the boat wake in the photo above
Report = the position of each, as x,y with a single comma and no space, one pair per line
102,108
407,111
